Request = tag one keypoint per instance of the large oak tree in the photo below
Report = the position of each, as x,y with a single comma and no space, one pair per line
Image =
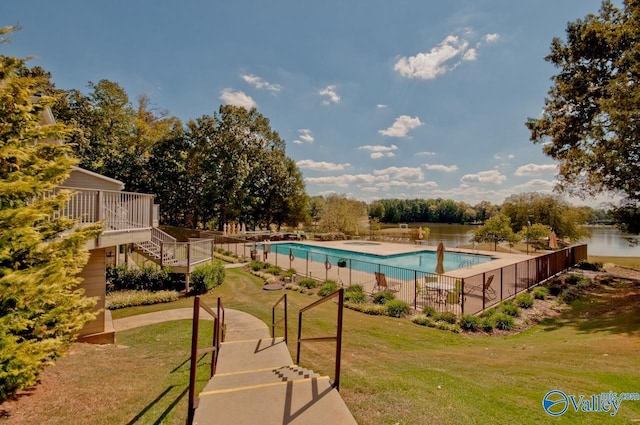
591,119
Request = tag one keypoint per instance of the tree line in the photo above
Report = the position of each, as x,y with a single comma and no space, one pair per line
230,166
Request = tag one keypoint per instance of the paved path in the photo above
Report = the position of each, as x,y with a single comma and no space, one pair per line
255,380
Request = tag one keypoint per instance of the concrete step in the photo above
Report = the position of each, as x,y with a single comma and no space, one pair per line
222,381
237,356
311,401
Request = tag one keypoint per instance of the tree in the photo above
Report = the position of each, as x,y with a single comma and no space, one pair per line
549,210
591,119
496,229
41,308
341,214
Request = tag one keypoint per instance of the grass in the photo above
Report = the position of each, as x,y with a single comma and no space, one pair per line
393,371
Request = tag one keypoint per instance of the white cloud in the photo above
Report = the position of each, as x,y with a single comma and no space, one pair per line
395,184
321,166
444,57
441,167
490,176
428,66
237,98
500,157
401,126
379,151
341,181
535,169
378,155
259,83
537,185
470,55
304,136
491,38
380,106
330,93
424,154
401,173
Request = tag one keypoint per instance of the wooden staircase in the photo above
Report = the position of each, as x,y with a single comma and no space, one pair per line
153,249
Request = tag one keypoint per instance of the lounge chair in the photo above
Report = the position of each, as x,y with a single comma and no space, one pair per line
489,292
381,283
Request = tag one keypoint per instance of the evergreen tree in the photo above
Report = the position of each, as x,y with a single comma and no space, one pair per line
41,307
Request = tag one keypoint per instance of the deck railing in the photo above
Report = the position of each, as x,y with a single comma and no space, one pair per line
120,211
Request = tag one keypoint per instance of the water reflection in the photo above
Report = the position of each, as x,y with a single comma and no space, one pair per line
604,240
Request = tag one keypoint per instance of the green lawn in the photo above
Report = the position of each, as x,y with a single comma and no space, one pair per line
393,371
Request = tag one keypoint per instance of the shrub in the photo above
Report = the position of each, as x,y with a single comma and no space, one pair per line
129,298
555,286
540,292
397,308
145,279
445,326
274,270
354,288
373,309
205,277
487,323
573,279
422,320
509,308
355,294
383,297
327,288
504,321
469,322
570,294
258,265
429,311
446,316
524,300
308,283
587,265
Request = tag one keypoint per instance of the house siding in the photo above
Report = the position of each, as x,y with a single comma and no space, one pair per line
95,285
81,179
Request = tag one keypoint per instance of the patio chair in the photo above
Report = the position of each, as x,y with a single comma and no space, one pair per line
488,290
455,296
381,283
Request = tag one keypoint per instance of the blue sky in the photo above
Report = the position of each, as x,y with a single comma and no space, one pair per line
374,99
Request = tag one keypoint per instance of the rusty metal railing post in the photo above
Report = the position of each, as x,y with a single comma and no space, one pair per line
339,339
194,359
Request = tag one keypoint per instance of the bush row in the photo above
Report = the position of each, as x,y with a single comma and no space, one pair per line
130,298
122,278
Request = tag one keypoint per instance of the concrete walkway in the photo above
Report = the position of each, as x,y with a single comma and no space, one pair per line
255,380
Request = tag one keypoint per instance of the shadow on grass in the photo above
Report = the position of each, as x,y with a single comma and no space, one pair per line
607,308
157,400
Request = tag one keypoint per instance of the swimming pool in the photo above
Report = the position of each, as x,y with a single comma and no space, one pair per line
424,261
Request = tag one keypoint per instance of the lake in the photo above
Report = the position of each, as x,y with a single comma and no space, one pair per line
604,240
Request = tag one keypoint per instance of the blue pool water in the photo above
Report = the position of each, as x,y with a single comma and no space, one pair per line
424,261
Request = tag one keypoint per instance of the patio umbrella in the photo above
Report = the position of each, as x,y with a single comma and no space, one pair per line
420,233
553,240
440,257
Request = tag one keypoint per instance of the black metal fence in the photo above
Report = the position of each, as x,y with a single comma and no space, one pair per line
461,295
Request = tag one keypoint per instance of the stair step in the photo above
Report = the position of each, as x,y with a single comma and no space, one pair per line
311,401
222,381
252,355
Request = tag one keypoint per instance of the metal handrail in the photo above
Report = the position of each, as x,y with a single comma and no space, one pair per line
214,349
338,338
284,319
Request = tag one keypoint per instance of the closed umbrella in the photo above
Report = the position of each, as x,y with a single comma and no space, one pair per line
553,240
420,233
440,257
